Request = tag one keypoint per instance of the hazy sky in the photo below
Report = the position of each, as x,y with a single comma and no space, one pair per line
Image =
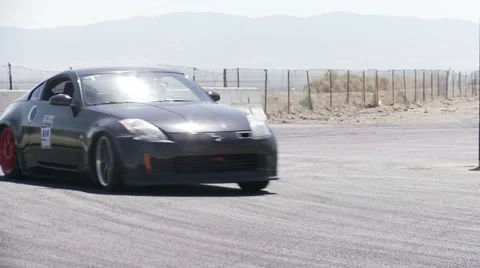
52,13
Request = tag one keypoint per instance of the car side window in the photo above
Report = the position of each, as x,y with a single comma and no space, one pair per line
60,85
36,92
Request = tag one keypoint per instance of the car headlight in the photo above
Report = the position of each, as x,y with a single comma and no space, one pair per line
259,127
142,130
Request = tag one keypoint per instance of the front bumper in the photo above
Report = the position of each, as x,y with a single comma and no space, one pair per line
197,159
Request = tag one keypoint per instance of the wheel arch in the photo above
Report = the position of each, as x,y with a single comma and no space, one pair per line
91,148
16,130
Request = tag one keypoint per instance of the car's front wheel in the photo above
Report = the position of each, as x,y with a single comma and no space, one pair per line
9,160
253,186
107,166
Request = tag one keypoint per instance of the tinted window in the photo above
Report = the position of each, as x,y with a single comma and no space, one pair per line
54,87
36,92
58,89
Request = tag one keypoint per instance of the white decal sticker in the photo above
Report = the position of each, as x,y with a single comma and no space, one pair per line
46,137
46,131
48,120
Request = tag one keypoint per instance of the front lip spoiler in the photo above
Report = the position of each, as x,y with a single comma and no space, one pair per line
183,179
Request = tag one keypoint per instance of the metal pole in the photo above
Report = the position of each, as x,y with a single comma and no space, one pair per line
364,88
225,78
348,87
431,84
238,77
423,83
310,105
460,83
194,72
377,98
479,91
474,83
10,76
446,83
331,100
405,85
393,87
415,85
438,83
453,84
266,90
288,88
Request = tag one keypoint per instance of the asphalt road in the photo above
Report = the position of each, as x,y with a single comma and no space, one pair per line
384,196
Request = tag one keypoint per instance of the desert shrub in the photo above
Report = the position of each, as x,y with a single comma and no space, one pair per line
306,101
321,84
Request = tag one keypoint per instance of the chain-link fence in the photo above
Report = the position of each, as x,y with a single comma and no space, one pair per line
298,90
18,77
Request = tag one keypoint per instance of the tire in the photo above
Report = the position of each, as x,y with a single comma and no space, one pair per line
9,156
107,170
253,187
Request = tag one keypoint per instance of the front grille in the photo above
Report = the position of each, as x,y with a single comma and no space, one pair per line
215,163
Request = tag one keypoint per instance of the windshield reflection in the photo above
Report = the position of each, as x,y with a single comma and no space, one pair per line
129,87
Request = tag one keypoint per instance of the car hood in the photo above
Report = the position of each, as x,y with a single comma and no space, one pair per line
178,117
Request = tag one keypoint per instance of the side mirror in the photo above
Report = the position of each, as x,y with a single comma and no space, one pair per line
214,95
61,100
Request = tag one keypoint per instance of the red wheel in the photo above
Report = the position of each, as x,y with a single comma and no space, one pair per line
8,154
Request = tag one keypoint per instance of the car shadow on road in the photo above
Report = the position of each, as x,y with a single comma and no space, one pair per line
164,190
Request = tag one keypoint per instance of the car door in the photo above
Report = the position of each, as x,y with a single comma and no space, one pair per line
54,136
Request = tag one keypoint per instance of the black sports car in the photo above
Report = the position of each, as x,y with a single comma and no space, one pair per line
130,126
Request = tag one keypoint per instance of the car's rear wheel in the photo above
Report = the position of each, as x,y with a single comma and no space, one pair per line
107,166
253,186
9,160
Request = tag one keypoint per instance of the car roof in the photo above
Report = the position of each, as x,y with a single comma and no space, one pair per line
98,70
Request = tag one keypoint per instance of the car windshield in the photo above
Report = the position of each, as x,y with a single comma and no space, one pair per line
131,86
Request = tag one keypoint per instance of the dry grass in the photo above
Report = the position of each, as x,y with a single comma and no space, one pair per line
358,107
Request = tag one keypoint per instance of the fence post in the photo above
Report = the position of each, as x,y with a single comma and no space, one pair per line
415,85
364,89
310,104
446,83
405,86
474,84
348,87
477,84
393,87
288,90
423,85
330,74
10,76
238,77
377,98
266,90
438,83
453,84
460,83
431,84
225,78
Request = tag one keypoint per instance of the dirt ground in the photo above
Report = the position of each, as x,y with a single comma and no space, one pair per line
439,108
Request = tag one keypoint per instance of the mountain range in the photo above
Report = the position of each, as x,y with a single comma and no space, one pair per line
211,40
